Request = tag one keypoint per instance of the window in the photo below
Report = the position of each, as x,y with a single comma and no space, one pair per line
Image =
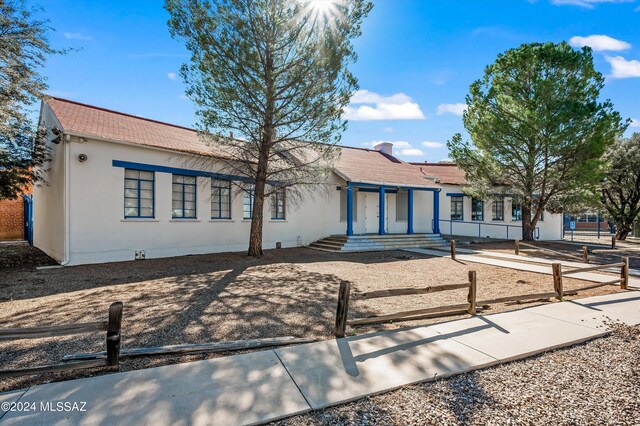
456,208
278,205
516,211
477,210
402,206
343,204
220,199
497,209
138,194
247,202
183,198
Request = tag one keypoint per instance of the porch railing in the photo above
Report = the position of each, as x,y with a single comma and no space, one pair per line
483,225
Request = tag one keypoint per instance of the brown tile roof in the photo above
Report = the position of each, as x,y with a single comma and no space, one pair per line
370,166
88,120
354,164
446,173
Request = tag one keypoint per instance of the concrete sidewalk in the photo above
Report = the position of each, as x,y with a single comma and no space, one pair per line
268,385
587,276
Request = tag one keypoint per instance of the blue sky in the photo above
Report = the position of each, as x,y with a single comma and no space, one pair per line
416,60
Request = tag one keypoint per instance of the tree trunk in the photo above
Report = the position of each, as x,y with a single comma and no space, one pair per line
623,231
257,210
527,226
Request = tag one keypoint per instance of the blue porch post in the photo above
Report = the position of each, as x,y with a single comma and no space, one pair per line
436,212
349,209
410,211
381,214
598,220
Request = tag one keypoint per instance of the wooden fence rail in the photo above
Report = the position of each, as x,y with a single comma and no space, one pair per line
344,297
558,274
112,327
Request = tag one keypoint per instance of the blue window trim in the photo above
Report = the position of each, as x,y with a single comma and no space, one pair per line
248,192
475,202
185,172
220,188
153,195
455,194
195,197
274,210
461,205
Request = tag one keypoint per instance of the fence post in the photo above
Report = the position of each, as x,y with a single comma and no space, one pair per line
613,242
472,293
113,334
624,273
517,247
585,254
557,280
343,308
453,249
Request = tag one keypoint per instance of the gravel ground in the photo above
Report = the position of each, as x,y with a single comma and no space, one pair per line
217,297
596,383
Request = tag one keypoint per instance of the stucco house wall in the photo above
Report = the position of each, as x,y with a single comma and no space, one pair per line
548,229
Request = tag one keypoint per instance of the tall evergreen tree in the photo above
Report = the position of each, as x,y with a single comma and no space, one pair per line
275,73
538,129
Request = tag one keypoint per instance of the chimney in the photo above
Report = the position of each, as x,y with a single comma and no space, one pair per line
384,147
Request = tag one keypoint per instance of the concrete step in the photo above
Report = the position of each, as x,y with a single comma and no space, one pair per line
342,243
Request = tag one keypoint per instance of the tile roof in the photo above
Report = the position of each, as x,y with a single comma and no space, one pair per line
102,123
446,173
370,166
354,164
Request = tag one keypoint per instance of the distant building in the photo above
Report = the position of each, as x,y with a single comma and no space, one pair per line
120,186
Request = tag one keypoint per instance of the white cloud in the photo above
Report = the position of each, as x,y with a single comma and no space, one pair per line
367,106
172,75
589,4
388,130
600,43
635,122
77,36
621,68
428,144
456,109
410,152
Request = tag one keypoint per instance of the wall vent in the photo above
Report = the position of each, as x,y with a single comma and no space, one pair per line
278,245
139,254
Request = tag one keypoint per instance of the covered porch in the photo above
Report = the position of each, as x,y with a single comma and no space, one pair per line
386,209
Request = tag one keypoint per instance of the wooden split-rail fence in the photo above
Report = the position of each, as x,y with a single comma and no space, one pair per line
111,326
345,296
623,280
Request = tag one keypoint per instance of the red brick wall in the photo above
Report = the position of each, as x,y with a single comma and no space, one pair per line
11,219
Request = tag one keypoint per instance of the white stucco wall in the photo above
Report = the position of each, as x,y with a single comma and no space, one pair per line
550,228
100,233
48,197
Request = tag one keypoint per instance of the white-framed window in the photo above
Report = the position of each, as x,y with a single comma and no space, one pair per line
183,197
278,204
497,209
247,202
457,208
477,210
220,199
139,192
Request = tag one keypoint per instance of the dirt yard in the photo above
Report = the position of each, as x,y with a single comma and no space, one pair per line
195,299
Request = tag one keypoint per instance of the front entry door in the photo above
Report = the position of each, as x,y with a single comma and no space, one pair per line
371,213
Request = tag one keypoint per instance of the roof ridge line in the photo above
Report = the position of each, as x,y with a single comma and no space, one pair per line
120,113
